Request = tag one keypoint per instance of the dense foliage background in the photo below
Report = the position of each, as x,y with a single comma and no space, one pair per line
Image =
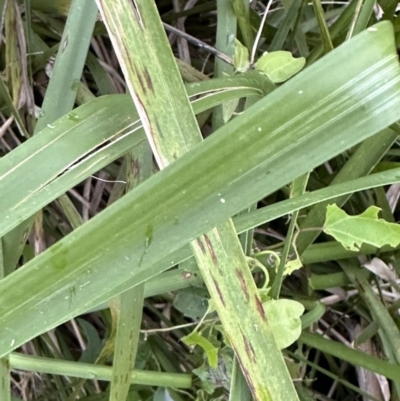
100,295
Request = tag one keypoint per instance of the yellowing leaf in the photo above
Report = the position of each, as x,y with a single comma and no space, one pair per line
241,60
284,320
279,65
353,231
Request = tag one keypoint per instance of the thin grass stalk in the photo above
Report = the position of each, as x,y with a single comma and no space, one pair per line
5,378
138,164
225,42
340,25
351,355
95,372
241,8
66,74
288,23
28,27
298,189
363,18
333,376
323,27
16,62
5,95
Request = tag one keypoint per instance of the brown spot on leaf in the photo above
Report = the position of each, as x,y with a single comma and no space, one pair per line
159,130
144,117
149,82
145,81
249,349
248,379
141,81
136,11
211,250
239,275
221,297
260,308
201,245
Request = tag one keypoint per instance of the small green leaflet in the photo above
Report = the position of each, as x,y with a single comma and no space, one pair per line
241,59
195,338
294,264
280,65
192,302
353,231
284,320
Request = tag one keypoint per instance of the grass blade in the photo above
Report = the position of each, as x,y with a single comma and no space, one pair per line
379,312
5,373
114,128
172,130
242,14
66,75
325,195
139,162
353,356
90,371
225,42
323,28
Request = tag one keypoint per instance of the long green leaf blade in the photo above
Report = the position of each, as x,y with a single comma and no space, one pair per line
172,130
106,128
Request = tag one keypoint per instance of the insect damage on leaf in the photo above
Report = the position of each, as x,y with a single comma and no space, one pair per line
353,231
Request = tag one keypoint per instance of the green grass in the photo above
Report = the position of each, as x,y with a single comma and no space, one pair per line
145,191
